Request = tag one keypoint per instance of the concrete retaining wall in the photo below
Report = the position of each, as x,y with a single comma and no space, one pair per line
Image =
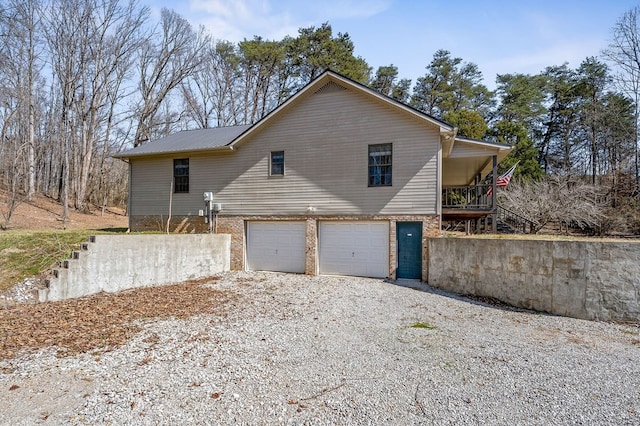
580,279
117,262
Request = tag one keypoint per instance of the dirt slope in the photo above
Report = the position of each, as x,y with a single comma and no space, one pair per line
43,213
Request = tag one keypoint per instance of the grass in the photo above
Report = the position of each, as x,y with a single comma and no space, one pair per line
30,253
425,325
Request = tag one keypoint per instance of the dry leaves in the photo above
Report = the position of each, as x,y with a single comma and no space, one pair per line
104,320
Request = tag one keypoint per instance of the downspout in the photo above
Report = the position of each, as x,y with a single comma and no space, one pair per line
129,198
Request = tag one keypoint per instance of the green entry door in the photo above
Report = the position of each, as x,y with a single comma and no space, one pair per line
409,235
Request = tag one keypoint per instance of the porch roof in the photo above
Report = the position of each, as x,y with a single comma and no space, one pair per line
463,159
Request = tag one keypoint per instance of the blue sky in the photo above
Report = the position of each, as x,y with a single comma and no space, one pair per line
499,36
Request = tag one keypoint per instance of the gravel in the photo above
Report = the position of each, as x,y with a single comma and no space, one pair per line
23,292
296,349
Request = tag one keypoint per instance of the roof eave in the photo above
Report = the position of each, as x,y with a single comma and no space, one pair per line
158,153
486,144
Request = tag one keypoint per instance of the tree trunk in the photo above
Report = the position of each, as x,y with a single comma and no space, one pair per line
65,185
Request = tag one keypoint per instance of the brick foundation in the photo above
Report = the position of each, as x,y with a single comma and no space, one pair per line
235,226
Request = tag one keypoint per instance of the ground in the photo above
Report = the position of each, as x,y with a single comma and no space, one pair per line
44,213
35,241
104,320
268,348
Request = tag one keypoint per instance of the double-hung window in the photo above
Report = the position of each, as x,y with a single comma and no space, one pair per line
181,175
277,163
380,164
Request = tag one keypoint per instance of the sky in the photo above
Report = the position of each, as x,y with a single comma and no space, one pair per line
500,36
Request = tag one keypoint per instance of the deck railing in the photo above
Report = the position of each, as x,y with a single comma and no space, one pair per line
467,197
517,222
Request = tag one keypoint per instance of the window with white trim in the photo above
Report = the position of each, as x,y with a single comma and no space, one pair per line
277,163
380,158
181,175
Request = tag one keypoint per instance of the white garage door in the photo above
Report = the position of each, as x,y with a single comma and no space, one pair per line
276,246
354,248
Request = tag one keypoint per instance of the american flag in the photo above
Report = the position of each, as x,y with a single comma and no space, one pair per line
504,179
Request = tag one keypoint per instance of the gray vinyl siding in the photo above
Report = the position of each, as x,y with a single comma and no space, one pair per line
325,138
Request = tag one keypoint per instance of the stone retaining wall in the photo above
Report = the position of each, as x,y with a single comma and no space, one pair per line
580,279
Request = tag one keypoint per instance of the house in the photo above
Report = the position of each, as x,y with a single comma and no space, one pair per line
339,179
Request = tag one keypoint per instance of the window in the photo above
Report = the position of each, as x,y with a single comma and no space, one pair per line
181,175
380,165
277,163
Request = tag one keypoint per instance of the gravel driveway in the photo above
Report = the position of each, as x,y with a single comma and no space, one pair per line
296,349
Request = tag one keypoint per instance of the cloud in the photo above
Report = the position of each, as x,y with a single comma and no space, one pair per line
235,20
348,9
535,61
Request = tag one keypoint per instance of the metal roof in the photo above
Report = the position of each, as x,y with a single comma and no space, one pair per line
489,144
188,140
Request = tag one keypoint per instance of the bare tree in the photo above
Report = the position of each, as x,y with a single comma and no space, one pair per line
198,92
92,43
22,64
225,73
624,52
115,36
211,94
14,195
555,199
68,42
163,65
10,150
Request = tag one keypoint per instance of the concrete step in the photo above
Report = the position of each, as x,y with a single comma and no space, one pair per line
60,274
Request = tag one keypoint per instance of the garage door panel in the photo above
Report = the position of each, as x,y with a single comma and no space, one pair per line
354,248
276,246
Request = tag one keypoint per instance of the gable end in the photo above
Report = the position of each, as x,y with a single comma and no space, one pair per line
330,87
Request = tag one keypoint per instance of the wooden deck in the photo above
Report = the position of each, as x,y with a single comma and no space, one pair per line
464,214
